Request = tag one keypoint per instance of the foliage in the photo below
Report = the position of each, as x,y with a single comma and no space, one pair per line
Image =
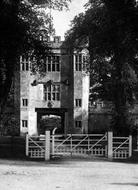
22,22
9,125
111,29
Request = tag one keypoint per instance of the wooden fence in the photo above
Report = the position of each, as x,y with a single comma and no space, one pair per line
79,144
38,146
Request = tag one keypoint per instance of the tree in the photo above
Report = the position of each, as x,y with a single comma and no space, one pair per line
22,24
20,28
110,27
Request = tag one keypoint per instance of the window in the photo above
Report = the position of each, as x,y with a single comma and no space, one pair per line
25,102
85,63
52,92
78,124
48,64
78,62
78,102
24,123
27,66
24,60
78,66
53,64
41,38
81,62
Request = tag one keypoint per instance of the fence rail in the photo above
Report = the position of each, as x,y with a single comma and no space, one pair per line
79,144
75,144
38,146
122,147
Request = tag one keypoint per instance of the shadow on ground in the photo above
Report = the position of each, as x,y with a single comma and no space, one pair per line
60,161
131,184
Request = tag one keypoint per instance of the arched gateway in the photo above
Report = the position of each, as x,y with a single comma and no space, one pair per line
62,112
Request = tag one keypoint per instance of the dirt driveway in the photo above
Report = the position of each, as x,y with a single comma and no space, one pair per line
68,175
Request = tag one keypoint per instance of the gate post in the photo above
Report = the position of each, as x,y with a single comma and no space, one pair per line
27,145
110,144
47,145
53,141
130,145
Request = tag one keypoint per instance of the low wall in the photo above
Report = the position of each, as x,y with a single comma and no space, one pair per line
100,122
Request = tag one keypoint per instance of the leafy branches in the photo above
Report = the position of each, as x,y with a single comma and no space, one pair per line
112,32
22,24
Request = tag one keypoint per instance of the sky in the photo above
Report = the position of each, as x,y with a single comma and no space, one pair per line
62,19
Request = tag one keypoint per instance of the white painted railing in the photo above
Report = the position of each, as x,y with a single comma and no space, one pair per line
38,146
75,144
79,144
35,147
122,147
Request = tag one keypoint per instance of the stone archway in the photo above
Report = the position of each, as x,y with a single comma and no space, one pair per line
56,112
49,122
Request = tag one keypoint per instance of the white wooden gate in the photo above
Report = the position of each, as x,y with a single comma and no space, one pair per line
105,145
79,144
122,147
38,146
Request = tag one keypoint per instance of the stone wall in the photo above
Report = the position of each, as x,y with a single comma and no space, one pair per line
100,117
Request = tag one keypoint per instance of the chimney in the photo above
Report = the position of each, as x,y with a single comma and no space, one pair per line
57,39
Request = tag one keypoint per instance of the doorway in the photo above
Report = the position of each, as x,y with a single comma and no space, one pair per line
50,118
49,122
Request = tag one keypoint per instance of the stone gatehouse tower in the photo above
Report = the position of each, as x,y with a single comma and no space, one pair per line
63,92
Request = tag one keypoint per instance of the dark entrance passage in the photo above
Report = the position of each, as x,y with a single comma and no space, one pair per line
49,118
48,122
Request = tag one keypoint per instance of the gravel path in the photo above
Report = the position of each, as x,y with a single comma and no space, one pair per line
68,175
